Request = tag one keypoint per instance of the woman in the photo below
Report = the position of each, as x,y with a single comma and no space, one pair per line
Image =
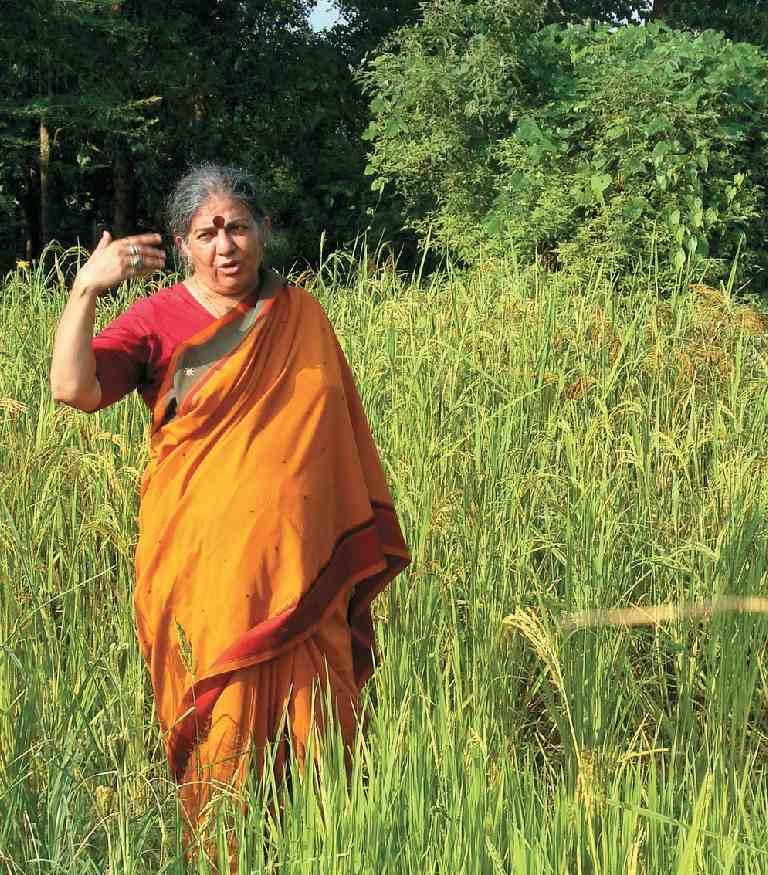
265,527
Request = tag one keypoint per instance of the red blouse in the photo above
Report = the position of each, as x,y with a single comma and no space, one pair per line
133,351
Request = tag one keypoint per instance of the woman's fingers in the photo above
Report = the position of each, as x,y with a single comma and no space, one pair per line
146,264
143,240
104,241
113,261
141,254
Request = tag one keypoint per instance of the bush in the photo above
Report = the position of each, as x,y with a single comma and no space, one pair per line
624,142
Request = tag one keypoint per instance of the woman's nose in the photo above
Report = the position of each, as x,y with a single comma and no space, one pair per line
224,242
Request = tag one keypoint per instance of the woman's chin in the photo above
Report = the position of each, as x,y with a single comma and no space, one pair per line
237,284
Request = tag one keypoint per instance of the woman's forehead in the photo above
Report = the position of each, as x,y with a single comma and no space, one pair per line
217,211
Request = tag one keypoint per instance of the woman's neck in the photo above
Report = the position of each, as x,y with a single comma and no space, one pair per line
215,303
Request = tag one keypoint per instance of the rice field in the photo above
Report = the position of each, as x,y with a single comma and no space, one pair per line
551,450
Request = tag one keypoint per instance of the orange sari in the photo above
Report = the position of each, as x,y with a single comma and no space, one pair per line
266,530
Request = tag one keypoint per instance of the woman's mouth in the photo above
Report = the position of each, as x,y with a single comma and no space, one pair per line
230,268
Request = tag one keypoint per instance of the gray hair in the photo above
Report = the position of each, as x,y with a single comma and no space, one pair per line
203,181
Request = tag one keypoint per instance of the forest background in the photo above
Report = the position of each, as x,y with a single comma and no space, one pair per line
554,128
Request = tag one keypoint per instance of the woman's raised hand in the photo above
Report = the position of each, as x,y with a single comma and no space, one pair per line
113,261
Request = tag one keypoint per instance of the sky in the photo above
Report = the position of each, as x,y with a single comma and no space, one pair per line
323,15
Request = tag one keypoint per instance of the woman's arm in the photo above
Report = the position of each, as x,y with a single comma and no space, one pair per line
73,366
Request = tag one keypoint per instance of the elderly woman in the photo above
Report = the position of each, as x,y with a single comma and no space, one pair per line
265,527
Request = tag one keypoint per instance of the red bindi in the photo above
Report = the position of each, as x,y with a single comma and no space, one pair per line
218,221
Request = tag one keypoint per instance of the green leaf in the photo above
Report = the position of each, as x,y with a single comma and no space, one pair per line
679,259
660,150
633,167
599,182
528,131
658,125
635,209
379,104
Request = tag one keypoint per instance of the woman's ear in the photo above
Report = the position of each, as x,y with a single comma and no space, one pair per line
181,245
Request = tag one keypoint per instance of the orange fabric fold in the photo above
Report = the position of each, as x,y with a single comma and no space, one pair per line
266,530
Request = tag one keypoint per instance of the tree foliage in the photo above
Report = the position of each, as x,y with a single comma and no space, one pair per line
621,141
363,25
441,96
104,103
740,20
108,101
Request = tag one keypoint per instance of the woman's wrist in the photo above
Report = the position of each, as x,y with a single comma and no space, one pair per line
82,288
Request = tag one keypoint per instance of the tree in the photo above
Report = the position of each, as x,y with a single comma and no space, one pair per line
67,96
442,93
605,11
365,25
125,94
740,20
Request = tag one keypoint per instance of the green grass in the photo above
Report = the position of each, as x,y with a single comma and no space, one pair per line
549,450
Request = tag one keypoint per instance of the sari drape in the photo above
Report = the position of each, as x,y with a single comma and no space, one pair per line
266,529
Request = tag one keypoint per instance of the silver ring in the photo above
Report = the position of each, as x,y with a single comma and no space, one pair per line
136,261
133,249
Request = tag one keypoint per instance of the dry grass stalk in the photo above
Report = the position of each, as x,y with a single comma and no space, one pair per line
670,612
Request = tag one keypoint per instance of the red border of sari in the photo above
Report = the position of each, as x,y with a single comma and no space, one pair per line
366,557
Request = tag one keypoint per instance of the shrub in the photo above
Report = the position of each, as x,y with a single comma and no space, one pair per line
624,142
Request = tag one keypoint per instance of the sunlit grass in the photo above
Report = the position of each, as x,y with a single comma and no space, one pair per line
550,450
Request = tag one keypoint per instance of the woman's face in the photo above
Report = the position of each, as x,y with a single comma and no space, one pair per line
225,246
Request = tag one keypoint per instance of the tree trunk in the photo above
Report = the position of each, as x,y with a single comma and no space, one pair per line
45,229
44,162
31,205
659,10
123,207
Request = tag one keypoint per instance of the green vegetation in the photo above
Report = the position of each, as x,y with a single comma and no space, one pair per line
481,115
568,422
618,143
549,451
104,104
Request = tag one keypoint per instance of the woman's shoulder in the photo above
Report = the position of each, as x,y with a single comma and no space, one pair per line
170,315
171,307
169,297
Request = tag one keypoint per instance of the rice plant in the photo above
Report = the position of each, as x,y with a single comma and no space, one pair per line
551,451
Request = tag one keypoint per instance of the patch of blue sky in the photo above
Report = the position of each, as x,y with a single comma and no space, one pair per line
323,15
